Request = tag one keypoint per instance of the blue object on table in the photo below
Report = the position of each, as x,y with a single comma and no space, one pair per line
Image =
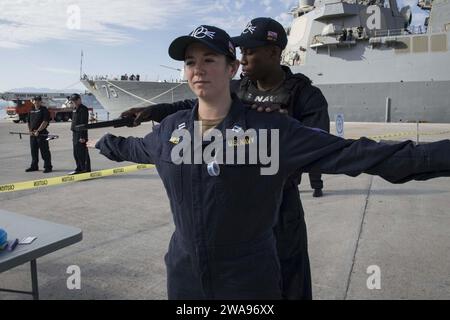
3,236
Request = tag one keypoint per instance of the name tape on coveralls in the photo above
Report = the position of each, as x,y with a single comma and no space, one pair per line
28,185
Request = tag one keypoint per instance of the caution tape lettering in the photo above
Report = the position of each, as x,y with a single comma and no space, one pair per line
96,174
7,187
67,179
40,183
20,186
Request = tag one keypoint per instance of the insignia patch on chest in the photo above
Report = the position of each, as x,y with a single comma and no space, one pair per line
175,140
237,129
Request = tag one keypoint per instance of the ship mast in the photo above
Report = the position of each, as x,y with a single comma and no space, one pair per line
81,65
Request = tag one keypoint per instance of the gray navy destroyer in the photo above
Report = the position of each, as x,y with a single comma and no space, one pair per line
365,56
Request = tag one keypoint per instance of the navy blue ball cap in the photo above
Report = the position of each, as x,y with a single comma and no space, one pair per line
261,32
212,37
37,98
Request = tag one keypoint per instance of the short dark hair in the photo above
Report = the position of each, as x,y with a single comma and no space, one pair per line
75,97
37,98
230,60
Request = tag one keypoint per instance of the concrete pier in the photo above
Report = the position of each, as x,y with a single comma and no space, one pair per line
360,225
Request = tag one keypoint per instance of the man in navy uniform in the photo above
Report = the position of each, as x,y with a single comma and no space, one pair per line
38,120
80,116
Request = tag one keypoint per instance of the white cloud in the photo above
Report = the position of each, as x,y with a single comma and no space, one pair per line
58,70
233,18
418,15
26,21
289,3
285,19
223,14
411,3
9,45
238,4
418,18
232,24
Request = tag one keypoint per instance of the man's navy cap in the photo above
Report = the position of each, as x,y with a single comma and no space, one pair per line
74,97
212,37
261,32
37,98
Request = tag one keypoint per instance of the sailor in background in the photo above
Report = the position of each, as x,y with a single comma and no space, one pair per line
269,86
38,120
265,81
80,137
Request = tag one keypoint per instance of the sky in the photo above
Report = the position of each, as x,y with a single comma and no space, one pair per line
41,40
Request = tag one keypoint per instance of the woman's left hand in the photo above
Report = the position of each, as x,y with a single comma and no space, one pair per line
91,144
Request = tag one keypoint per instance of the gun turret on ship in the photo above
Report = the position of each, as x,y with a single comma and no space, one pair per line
371,64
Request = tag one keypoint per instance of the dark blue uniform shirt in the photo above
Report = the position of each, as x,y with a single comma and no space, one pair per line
241,204
80,116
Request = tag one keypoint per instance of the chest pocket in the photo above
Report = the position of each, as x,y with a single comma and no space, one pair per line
171,173
235,182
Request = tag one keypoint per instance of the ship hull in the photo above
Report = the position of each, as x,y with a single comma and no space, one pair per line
118,96
426,101
409,101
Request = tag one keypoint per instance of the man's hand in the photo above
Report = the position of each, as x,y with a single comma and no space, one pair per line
139,114
35,133
269,107
91,144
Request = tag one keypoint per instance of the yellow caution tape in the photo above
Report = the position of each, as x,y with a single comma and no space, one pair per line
20,186
393,135
433,133
402,134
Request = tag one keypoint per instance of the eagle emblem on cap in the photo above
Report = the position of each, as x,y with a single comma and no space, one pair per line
202,32
249,28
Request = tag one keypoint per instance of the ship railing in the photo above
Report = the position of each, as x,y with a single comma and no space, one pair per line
426,29
411,30
388,33
92,79
430,29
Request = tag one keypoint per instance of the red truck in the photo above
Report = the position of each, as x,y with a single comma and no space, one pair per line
22,105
